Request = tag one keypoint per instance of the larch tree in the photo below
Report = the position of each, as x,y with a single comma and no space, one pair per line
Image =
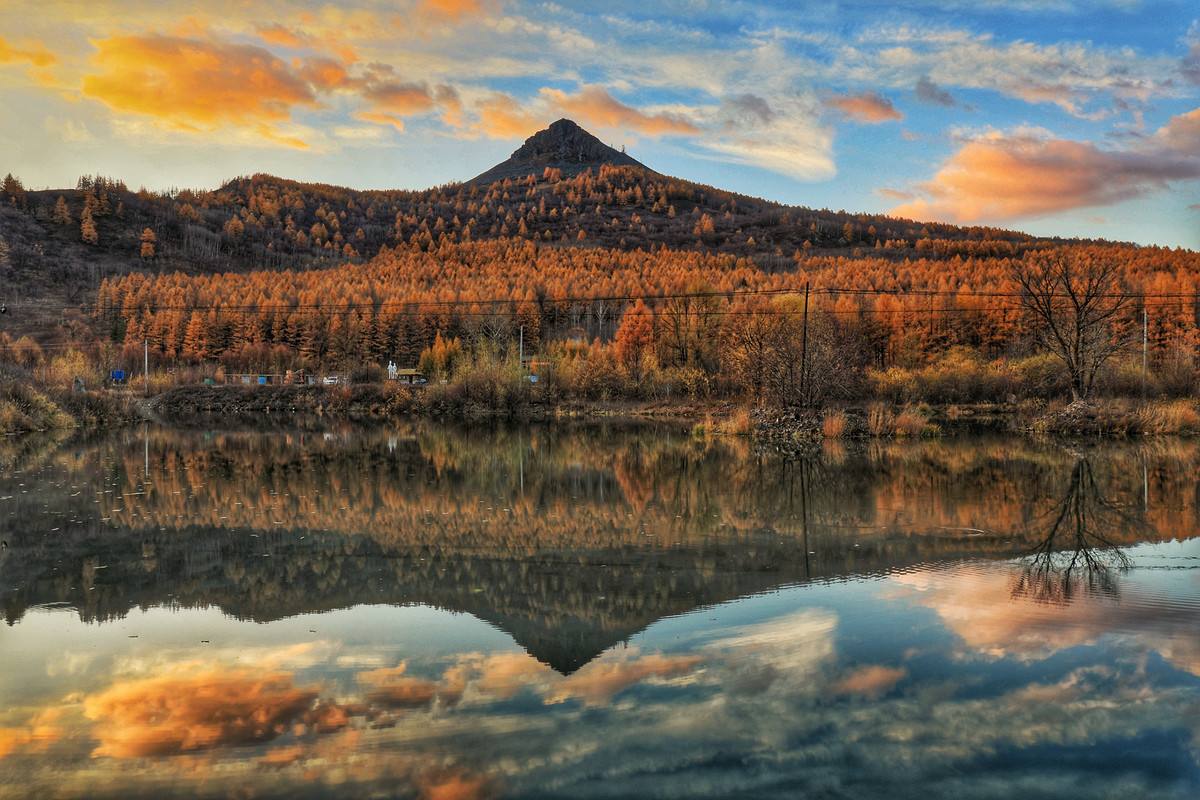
62,213
13,190
148,240
635,338
195,346
87,227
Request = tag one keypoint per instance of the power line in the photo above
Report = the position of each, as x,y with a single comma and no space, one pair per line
456,304
924,311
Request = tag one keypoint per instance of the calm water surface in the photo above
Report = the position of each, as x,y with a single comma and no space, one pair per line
428,612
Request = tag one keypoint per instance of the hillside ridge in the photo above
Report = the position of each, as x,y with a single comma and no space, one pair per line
563,146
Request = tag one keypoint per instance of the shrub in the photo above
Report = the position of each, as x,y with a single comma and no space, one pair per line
963,376
834,424
484,380
1176,374
1040,376
1125,378
894,384
64,368
913,421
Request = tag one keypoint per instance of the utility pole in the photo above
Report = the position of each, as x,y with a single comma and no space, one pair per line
146,365
931,320
521,348
804,349
1145,346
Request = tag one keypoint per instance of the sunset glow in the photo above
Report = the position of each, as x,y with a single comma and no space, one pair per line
1057,117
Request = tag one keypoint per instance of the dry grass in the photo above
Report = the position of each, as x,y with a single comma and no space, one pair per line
880,420
835,424
739,423
1175,416
911,422
23,408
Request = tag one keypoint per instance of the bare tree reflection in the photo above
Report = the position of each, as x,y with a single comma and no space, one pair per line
1079,551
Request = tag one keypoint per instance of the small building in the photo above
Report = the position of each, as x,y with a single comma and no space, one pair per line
255,378
412,377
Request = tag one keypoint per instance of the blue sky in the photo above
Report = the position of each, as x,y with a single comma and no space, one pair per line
1056,117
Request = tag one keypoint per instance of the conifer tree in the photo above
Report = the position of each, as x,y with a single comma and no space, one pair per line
62,214
87,227
148,241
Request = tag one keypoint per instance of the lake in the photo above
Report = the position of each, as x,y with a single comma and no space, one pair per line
597,612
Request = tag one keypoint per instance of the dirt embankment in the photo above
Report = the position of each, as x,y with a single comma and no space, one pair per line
25,407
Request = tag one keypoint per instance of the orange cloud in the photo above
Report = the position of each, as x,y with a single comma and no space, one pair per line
393,689
392,101
1002,177
501,117
192,710
595,106
324,73
983,610
597,682
866,107
453,9
502,674
453,786
195,84
282,36
870,681
35,54
41,731
894,194
400,98
1181,134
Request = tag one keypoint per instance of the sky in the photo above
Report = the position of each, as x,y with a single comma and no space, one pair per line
1057,117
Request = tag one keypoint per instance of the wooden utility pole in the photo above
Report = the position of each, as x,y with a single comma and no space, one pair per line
1145,346
931,319
146,366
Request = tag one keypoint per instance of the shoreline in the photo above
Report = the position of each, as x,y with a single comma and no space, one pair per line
288,406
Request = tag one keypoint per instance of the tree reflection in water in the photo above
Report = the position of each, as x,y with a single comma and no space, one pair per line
1080,550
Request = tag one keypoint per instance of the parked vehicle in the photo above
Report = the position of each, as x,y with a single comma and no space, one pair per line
331,380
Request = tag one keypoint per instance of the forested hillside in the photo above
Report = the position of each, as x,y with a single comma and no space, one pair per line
395,305
71,237
627,281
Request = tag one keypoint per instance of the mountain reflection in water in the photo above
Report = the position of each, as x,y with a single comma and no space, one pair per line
424,611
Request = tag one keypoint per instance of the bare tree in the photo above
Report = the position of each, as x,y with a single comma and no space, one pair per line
1075,299
689,328
1080,547
753,339
784,362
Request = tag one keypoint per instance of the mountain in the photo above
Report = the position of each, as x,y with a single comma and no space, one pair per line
563,146
592,197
